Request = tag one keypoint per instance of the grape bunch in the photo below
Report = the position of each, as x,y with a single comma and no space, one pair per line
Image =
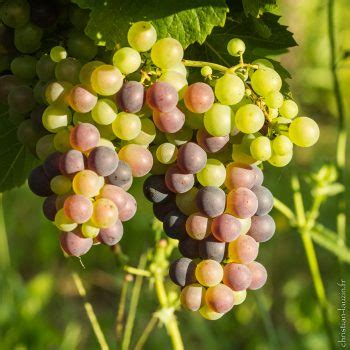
97,118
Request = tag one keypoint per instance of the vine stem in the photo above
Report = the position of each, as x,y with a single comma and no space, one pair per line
304,226
146,333
90,313
218,67
342,127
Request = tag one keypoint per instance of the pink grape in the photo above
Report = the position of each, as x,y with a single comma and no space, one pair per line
111,235
82,99
78,208
162,97
169,122
240,175
259,275
219,298
237,276
191,158
226,228
105,213
243,250
242,202
74,244
84,137
199,97
210,143
72,162
177,180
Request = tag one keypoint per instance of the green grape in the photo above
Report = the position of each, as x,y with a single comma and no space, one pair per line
274,99
213,174
167,52
45,68
209,314
273,113
182,136
45,146
289,109
239,297
57,92
186,202
68,70
249,119
304,131
78,17
86,71
61,140
39,92
142,36
177,80
260,148
28,38
229,89
15,13
178,68
282,145
58,53
147,134
266,80
206,71
82,118
89,230
166,153
56,118
280,161
81,46
241,152
235,47
218,112
126,126
63,222
24,67
106,80
15,117
106,131
263,63
60,184
194,120
104,112
127,60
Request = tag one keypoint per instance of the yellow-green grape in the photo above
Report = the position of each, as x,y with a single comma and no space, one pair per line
218,120
105,213
235,47
63,222
167,52
229,89
282,145
82,118
61,140
289,109
181,137
87,183
58,92
186,202
263,63
166,153
105,143
260,148
206,71
280,161
142,36
274,99
177,80
266,80
58,53
45,146
178,68
249,119
241,152
245,225
209,273
213,174
147,134
88,230
304,131
239,297
126,126
209,314
106,80
273,113
56,118
86,71
127,60
60,184
104,112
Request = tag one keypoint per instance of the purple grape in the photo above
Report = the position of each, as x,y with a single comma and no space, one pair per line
174,224
74,244
39,182
161,210
262,228
210,143
72,162
49,207
211,248
237,276
103,160
182,272
52,164
162,97
155,189
122,176
111,235
178,181
188,247
265,200
131,97
211,201
191,158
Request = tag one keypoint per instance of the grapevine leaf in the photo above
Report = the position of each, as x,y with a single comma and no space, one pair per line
185,21
16,160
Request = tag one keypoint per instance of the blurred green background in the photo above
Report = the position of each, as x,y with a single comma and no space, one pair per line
39,304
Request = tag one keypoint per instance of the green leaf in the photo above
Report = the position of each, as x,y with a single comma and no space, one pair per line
16,160
186,21
256,7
